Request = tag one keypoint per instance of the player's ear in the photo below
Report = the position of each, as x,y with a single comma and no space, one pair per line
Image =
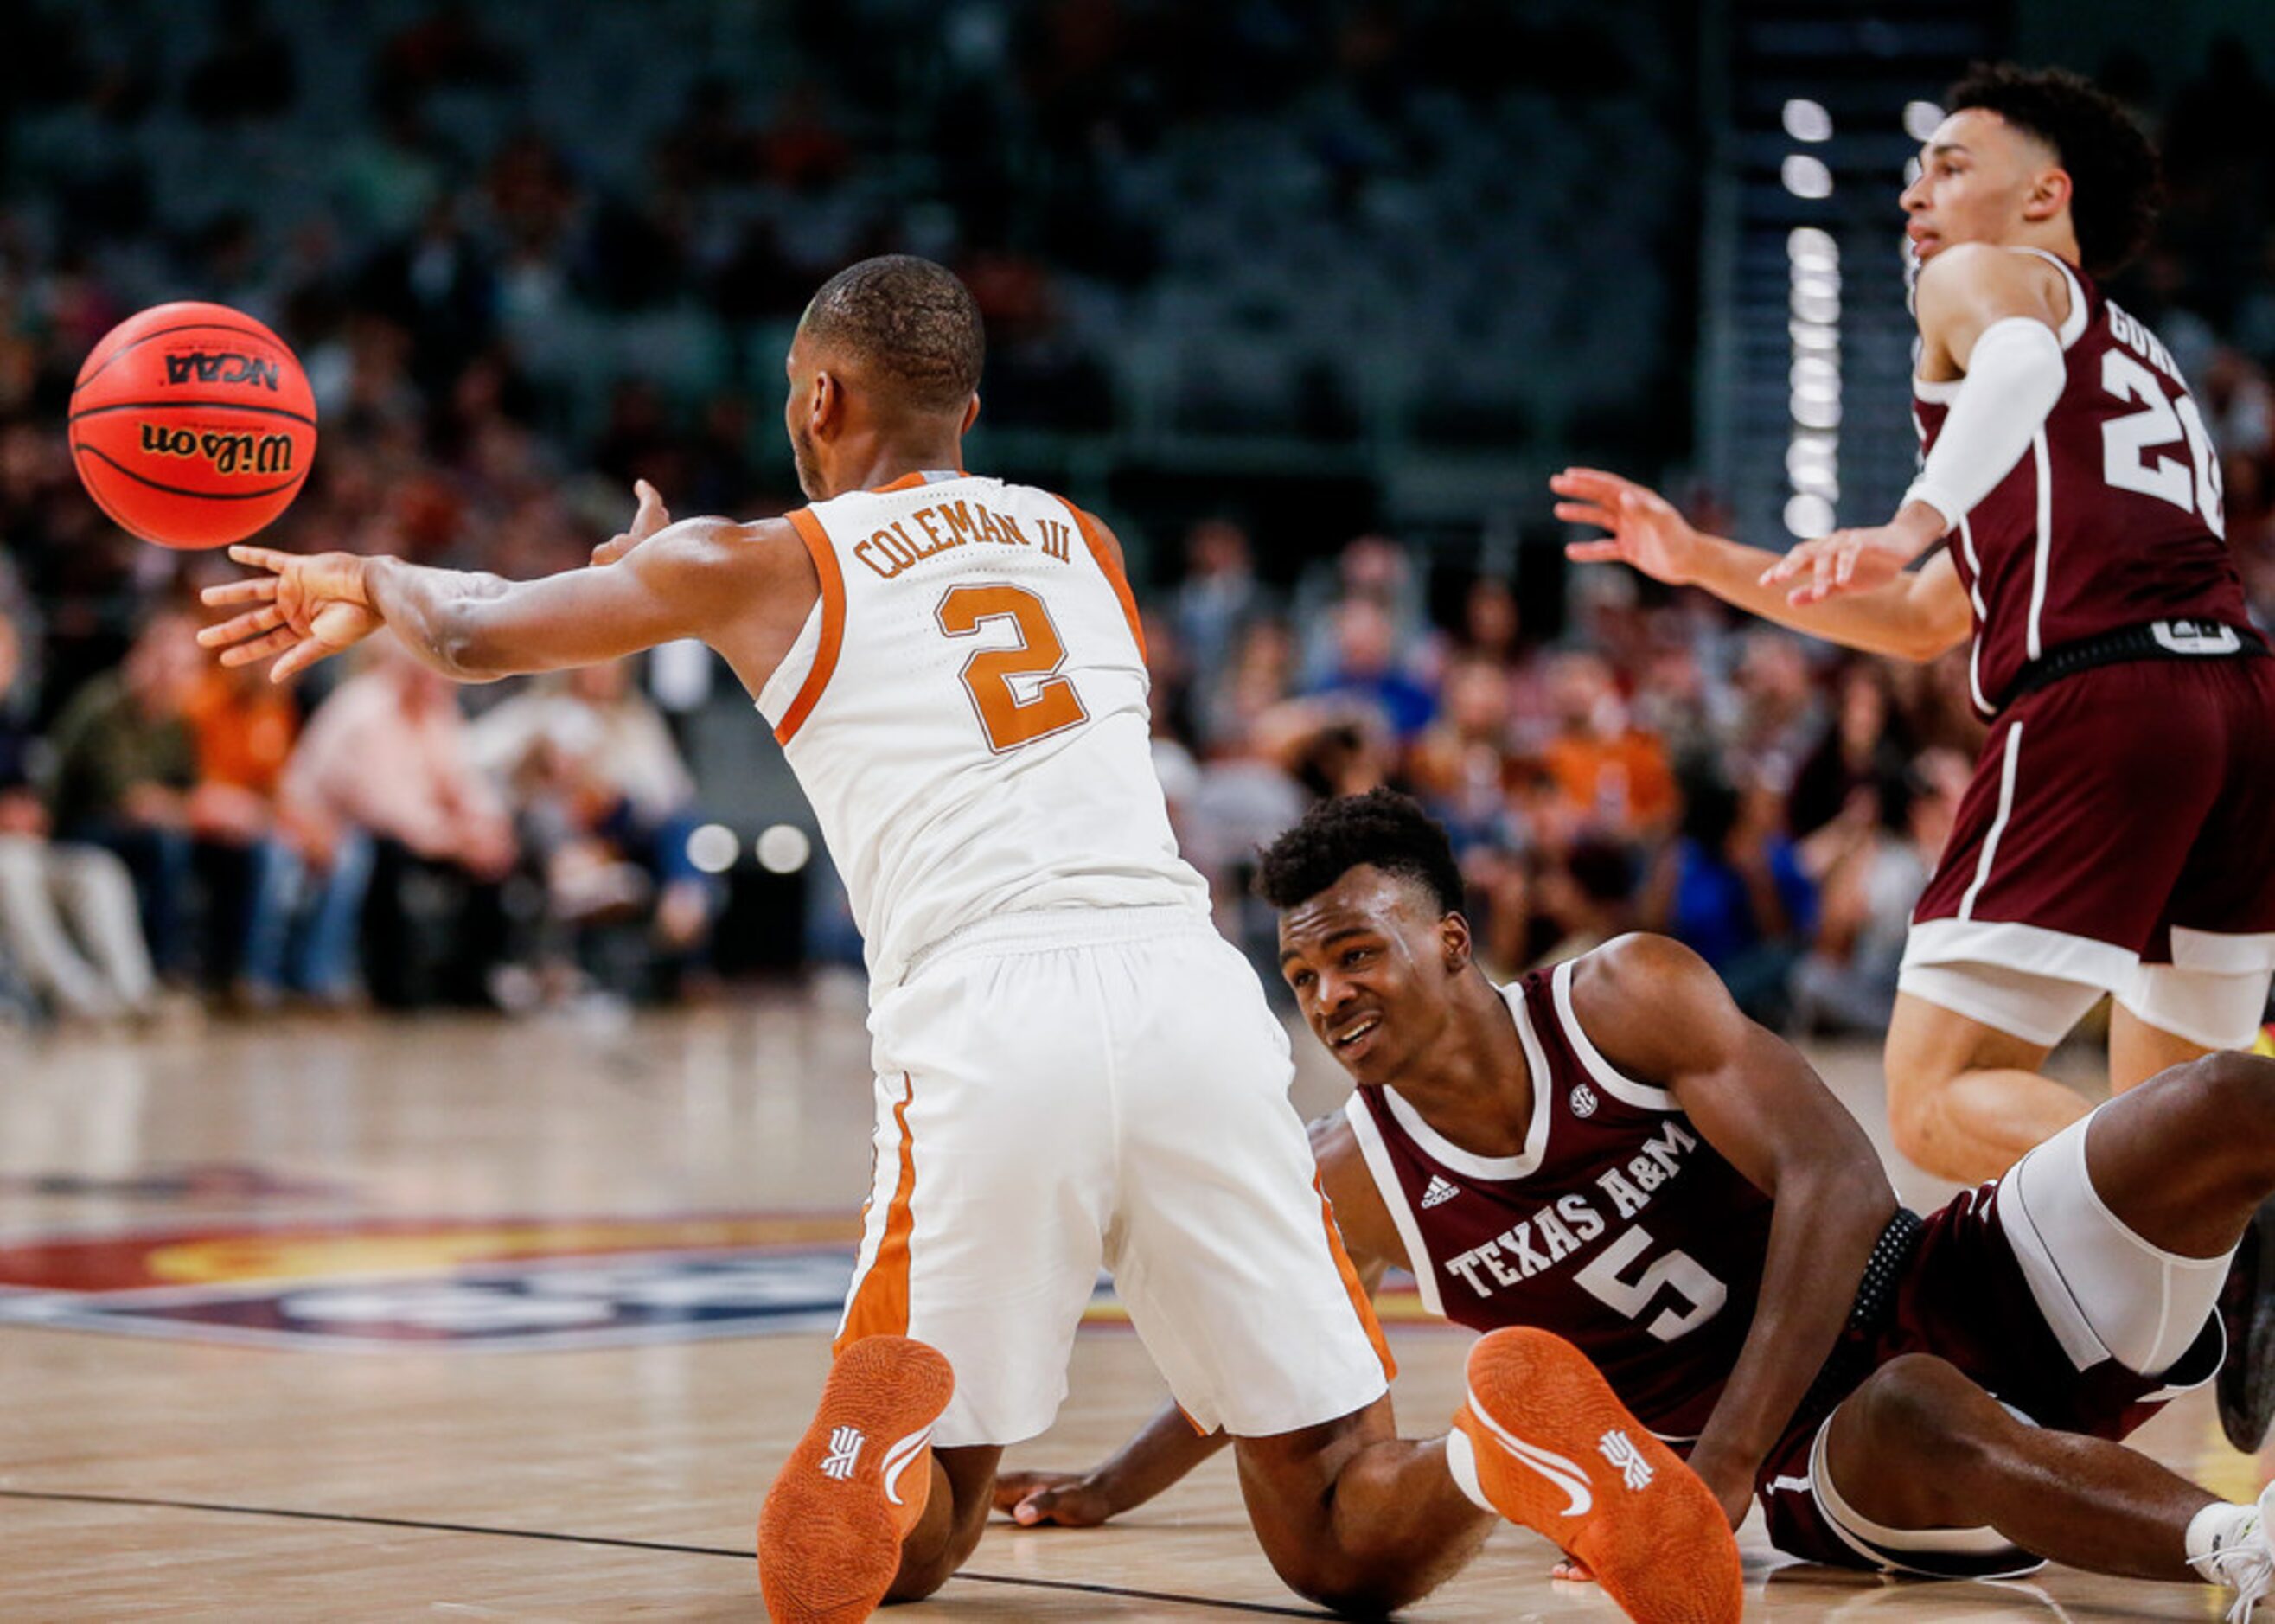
1455,947
2049,194
970,415
825,408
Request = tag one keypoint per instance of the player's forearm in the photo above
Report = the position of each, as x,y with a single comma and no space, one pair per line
1825,1226
1881,621
436,613
1163,1451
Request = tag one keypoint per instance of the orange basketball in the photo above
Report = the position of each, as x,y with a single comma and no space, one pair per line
191,425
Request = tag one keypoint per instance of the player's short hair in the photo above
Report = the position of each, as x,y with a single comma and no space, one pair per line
912,321
1381,827
2117,183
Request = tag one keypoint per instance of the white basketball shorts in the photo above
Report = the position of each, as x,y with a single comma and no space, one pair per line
1064,1090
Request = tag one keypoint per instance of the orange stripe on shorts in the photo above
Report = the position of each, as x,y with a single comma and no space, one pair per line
1360,1300
881,1301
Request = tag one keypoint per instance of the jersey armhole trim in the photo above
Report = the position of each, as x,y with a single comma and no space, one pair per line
2073,324
1115,577
1943,392
1368,1134
833,623
1625,1089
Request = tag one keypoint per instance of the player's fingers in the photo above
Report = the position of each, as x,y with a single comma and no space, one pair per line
1586,513
259,648
266,618
261,557
1826,563
1572,1570
253,589
1593,552
1786,567
1011,1488
297,660
1036,1508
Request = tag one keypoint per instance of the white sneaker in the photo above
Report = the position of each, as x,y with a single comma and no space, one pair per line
2247,1562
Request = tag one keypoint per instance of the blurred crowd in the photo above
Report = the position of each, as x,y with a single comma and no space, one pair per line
498,341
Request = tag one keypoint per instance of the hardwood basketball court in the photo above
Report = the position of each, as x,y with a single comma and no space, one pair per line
458,1318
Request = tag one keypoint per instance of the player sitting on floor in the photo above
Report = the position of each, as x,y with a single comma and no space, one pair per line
1609,1150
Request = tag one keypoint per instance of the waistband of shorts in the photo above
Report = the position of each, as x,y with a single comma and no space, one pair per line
1048,930
2159,639
1870,1312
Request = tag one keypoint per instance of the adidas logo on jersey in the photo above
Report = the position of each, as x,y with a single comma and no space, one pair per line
1583,1100
1440,1192
844,1449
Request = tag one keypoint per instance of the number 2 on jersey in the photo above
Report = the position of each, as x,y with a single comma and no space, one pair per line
1008,720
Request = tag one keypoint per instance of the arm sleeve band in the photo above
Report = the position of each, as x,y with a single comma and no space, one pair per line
2014,377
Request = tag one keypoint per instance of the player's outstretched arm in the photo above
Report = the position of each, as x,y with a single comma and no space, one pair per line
657,583
1660,1014
1914,616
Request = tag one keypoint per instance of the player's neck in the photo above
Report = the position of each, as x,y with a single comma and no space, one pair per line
2055,236
1474,1087
884,462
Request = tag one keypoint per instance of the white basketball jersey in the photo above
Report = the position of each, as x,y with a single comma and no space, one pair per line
965,709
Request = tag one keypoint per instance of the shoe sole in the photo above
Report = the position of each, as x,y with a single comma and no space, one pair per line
830,1530
1545,1440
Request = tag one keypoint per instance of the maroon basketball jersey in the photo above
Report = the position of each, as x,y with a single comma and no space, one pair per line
1619,1227
2112,518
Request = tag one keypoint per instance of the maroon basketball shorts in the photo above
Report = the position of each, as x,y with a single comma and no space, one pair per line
2035,1290
2118,836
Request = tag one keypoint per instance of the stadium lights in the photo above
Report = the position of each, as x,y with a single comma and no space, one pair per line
1921,120
1806,177
1807,121
1812,459
712,848
784,849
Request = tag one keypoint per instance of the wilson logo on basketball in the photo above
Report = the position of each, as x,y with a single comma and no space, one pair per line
199,367
228,453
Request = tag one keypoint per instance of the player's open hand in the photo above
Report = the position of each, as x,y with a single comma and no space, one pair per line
1852,561
303,609
648,518
1647,533
1065,1499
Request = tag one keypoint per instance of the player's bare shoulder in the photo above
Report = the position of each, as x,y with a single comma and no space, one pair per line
754,583
1648,1004
1968,286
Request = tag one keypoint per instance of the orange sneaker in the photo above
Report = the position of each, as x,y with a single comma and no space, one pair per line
1543,1442
830,1531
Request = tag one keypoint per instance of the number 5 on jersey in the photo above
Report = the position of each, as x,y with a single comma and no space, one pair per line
1051,705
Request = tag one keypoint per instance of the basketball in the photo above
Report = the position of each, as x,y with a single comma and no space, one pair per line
191,425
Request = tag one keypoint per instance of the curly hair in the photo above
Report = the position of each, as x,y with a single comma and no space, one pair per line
2117,183
1383,827
913,321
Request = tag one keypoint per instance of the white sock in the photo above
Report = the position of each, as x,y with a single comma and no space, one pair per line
2217,1529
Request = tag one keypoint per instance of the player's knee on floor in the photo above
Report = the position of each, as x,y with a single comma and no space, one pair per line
1334,1585
924,1571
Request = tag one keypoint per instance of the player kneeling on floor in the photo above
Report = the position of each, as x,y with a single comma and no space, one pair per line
1610,1151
